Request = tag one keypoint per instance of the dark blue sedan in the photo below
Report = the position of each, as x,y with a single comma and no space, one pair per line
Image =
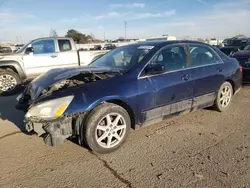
127,88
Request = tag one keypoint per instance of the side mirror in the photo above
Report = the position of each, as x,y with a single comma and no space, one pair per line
155,69
29,50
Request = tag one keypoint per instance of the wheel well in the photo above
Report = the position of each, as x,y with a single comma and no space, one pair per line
9,68
127,108
232,83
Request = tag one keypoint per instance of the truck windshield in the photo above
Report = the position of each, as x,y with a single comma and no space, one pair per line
123,58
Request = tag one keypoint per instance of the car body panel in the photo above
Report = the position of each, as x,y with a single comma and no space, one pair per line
243,58
149,97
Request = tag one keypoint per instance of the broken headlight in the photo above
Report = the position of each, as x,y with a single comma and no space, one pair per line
50,109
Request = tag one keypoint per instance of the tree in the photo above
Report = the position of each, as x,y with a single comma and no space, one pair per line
53,33
79,37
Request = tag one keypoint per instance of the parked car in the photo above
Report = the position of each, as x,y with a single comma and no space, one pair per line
109,47
17,47
4,50
225,41
128,87
234,44
39,56
96,47
243,57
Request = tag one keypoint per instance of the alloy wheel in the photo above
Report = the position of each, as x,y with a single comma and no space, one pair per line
110,130
7,82
225,96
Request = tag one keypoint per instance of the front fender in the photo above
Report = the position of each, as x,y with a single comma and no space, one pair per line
107,98
16,65
81,104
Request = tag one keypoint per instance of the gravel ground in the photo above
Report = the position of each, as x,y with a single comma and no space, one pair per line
201,149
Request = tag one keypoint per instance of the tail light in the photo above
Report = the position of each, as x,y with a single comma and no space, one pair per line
240,68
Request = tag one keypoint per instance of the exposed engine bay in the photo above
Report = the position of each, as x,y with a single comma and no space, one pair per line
36,89
82,78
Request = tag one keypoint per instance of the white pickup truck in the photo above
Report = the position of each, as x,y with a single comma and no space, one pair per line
39,56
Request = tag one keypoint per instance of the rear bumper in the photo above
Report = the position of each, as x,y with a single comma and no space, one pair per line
54,132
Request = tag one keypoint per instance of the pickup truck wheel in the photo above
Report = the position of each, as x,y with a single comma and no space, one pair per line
106,128
224,97
9,81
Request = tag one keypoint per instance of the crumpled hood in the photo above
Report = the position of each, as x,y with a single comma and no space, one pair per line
242,53
56,75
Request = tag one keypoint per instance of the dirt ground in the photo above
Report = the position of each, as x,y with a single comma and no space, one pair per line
201,149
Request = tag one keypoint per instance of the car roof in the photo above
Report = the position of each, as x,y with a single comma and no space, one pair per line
58,38
165,43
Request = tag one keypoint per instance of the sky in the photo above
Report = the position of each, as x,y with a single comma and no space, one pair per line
28,19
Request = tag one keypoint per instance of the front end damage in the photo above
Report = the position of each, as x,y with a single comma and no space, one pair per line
54,132
56,129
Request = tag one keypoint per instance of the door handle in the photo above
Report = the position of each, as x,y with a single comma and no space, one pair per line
219,69
185,77
53,56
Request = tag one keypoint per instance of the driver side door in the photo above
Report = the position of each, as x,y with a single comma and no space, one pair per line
43,58
169,92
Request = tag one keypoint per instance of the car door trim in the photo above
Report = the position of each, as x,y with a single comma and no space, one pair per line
189,68
187,105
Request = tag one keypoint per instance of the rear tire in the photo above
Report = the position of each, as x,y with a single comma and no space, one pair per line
9,82
224,97
106,128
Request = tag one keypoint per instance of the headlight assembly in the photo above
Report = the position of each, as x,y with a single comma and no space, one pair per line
50,109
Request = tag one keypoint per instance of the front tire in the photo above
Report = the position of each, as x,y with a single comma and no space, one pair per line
224,97
106,128
9,82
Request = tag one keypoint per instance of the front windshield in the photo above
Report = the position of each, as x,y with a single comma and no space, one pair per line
247,47
123,58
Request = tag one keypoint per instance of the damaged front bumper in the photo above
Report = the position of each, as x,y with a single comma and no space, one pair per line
54,132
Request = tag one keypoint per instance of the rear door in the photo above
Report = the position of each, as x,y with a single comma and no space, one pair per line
169,92
67,55
207,71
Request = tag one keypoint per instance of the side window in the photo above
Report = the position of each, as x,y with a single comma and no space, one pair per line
64,45
202,55
44,46
173,58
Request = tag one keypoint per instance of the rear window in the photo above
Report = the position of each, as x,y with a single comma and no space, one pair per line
64,45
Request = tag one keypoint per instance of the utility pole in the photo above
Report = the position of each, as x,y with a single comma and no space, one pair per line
104,36
125,24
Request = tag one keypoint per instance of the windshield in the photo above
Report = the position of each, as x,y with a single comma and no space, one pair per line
247,47
236,42
123,58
